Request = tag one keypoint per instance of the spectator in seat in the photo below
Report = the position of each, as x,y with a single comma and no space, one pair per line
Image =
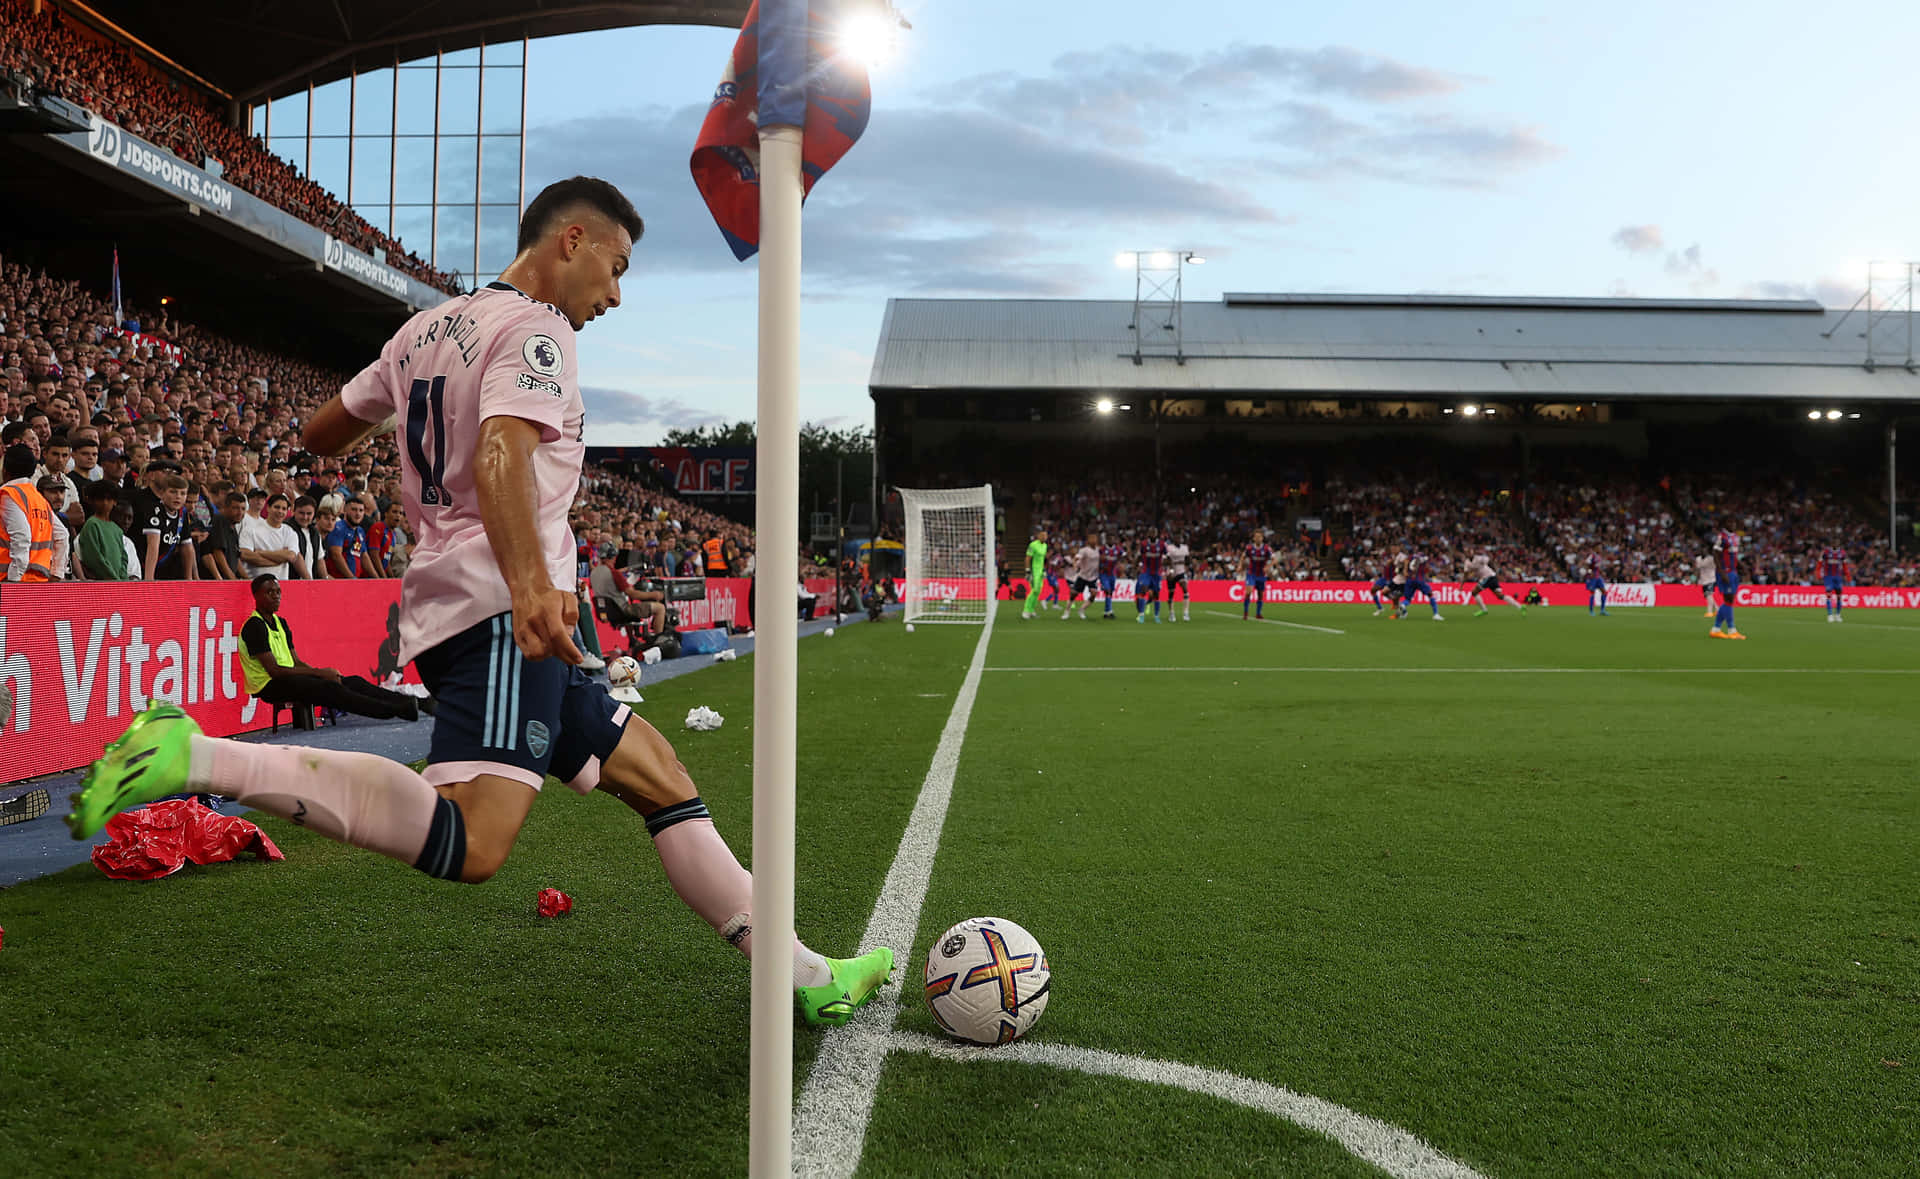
347,554
275,674
309,541
103,546
169,547
28,535
220,561
268,544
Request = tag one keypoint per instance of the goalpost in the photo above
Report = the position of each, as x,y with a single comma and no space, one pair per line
950,565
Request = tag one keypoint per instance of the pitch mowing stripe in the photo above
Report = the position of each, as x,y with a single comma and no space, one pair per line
1508,670
1325,630
1388,1147
830,1117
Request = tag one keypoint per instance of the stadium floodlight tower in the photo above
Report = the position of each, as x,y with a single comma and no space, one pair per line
1157,278
950,568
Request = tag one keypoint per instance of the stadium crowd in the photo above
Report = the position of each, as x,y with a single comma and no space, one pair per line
1449,518
110,80
174,453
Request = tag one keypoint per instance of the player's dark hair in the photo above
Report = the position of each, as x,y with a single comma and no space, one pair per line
563,196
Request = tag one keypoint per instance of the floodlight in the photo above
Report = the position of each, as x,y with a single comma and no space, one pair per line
1104,405
1833,415
1160,259
1853,417
1125,258
1813,415
1196,259
1469,410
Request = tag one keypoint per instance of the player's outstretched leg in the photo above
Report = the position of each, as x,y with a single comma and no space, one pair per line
353,798
644,773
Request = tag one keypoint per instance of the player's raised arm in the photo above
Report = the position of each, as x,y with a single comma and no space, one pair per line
543,614
332,430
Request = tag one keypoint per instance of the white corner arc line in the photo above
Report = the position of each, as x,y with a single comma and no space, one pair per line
1393,1150
1325,630
830,1118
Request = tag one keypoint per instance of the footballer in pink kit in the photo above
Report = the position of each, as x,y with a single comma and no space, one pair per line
483,396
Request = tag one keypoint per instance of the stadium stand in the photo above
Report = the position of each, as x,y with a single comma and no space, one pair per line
228,414
117,84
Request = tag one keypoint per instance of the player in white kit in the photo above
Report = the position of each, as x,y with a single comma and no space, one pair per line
1703,568
1083,572
1480,574
1177,554
485,395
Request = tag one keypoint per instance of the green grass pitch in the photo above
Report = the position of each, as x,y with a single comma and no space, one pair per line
1560,895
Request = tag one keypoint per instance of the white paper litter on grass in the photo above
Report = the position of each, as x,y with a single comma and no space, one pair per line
704,719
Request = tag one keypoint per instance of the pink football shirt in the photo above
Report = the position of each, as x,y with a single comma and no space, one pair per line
493,353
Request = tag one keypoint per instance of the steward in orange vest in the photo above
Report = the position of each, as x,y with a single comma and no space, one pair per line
26,541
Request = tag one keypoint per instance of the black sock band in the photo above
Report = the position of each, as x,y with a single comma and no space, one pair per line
678,812
445,855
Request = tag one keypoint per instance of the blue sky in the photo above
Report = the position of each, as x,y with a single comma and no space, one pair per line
1709,149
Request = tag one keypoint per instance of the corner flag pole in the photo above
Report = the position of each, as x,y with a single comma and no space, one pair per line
775,661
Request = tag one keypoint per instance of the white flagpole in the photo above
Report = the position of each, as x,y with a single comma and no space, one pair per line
775,661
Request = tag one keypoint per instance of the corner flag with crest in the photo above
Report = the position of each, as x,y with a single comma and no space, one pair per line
784,71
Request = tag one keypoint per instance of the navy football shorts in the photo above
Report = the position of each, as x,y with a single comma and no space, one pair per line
500,714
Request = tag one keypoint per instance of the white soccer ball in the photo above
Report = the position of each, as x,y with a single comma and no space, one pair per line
987,980
909,628
623,672
829,632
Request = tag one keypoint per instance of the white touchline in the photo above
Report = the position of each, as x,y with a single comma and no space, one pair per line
1325,630
1501,670
1386,1146
830,1117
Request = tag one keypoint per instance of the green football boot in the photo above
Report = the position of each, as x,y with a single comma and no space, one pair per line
147,762
855,981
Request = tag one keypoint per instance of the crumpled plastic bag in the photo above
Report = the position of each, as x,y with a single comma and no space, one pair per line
159,839
726,656
553,903
704,719
650,656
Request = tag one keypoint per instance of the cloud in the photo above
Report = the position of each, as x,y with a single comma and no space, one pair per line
618,407
1435,148
932,201
1122,96
1689,264
1638,239
1828,292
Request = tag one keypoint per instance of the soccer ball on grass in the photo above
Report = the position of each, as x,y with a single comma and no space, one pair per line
623,672
987,980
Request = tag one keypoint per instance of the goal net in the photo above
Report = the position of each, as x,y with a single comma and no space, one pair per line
950,570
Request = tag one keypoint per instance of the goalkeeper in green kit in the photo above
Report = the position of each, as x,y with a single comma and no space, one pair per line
1037,570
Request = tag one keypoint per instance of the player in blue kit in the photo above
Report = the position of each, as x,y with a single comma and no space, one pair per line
1596,584
1726,564
1835,572
1110,557
1256,556
1146,582
1419,565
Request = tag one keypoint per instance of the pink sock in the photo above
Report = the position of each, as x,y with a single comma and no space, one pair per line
713,884
354,798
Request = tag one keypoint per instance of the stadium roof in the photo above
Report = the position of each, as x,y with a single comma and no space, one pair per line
1381,346
255,49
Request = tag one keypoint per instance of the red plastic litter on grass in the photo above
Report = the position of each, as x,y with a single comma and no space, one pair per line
553,902
159,839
